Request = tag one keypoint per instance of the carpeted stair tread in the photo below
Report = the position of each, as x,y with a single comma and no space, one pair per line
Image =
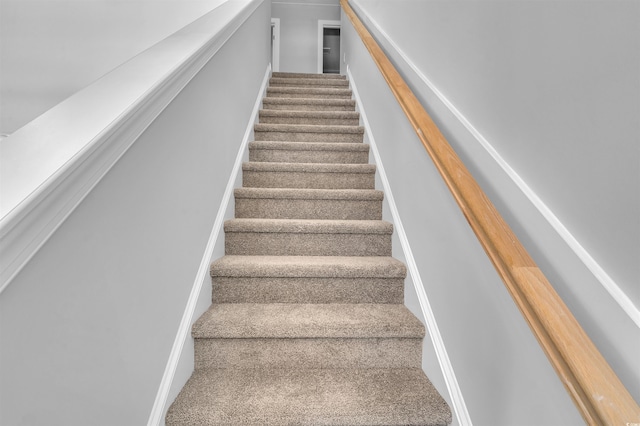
295,237
307,75
308,128
302,226
308,167
303,203
309,152
308,104
309,194
300,320
308,279
307,114
265,174
318,352
309,267
326,91
393,396
309,92
309,133
307,82
307,290
308,146
342,118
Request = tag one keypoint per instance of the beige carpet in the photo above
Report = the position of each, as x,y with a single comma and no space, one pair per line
307,324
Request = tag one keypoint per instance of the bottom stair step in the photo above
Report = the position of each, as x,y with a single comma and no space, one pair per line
396,396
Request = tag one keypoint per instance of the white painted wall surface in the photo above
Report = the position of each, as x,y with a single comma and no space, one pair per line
87,326
502,372
50,49
299,31
553,87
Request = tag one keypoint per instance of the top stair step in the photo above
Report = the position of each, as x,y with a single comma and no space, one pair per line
308,82
307,75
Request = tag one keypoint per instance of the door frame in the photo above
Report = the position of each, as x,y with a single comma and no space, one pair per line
275,57
322,24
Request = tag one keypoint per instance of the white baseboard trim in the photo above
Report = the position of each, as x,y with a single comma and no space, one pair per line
457,400
160,403
599,273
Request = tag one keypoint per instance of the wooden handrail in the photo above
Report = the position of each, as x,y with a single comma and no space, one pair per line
595,389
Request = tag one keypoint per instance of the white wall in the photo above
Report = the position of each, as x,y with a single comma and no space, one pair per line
503,375
299,31
50,49
553,87
87,325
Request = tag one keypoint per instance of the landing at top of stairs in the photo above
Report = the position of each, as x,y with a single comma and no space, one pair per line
306,75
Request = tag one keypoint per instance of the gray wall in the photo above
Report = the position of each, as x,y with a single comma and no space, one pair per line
504,377
51,49
553,87
299,31
87,326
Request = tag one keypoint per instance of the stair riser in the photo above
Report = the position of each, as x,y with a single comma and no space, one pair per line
311,120
307,290
257,179
307,107
298,244
308,82
332,157
268,208
308,137
308,353
307,95
277,74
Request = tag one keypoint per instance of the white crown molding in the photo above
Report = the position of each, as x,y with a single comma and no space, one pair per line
457,400
160,404
30,223
594,267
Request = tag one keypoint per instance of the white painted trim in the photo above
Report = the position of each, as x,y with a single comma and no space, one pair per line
160,403
457,400
600,274
275,58
322,24
29,223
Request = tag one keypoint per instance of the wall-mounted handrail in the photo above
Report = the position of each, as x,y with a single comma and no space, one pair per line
597,392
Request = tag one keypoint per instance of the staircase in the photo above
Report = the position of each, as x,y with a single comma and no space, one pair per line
307,325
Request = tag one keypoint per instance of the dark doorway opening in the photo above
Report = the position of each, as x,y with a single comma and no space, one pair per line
331,51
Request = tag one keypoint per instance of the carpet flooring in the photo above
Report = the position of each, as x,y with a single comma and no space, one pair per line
307,324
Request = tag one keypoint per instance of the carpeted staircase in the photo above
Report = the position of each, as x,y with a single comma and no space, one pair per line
307,325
